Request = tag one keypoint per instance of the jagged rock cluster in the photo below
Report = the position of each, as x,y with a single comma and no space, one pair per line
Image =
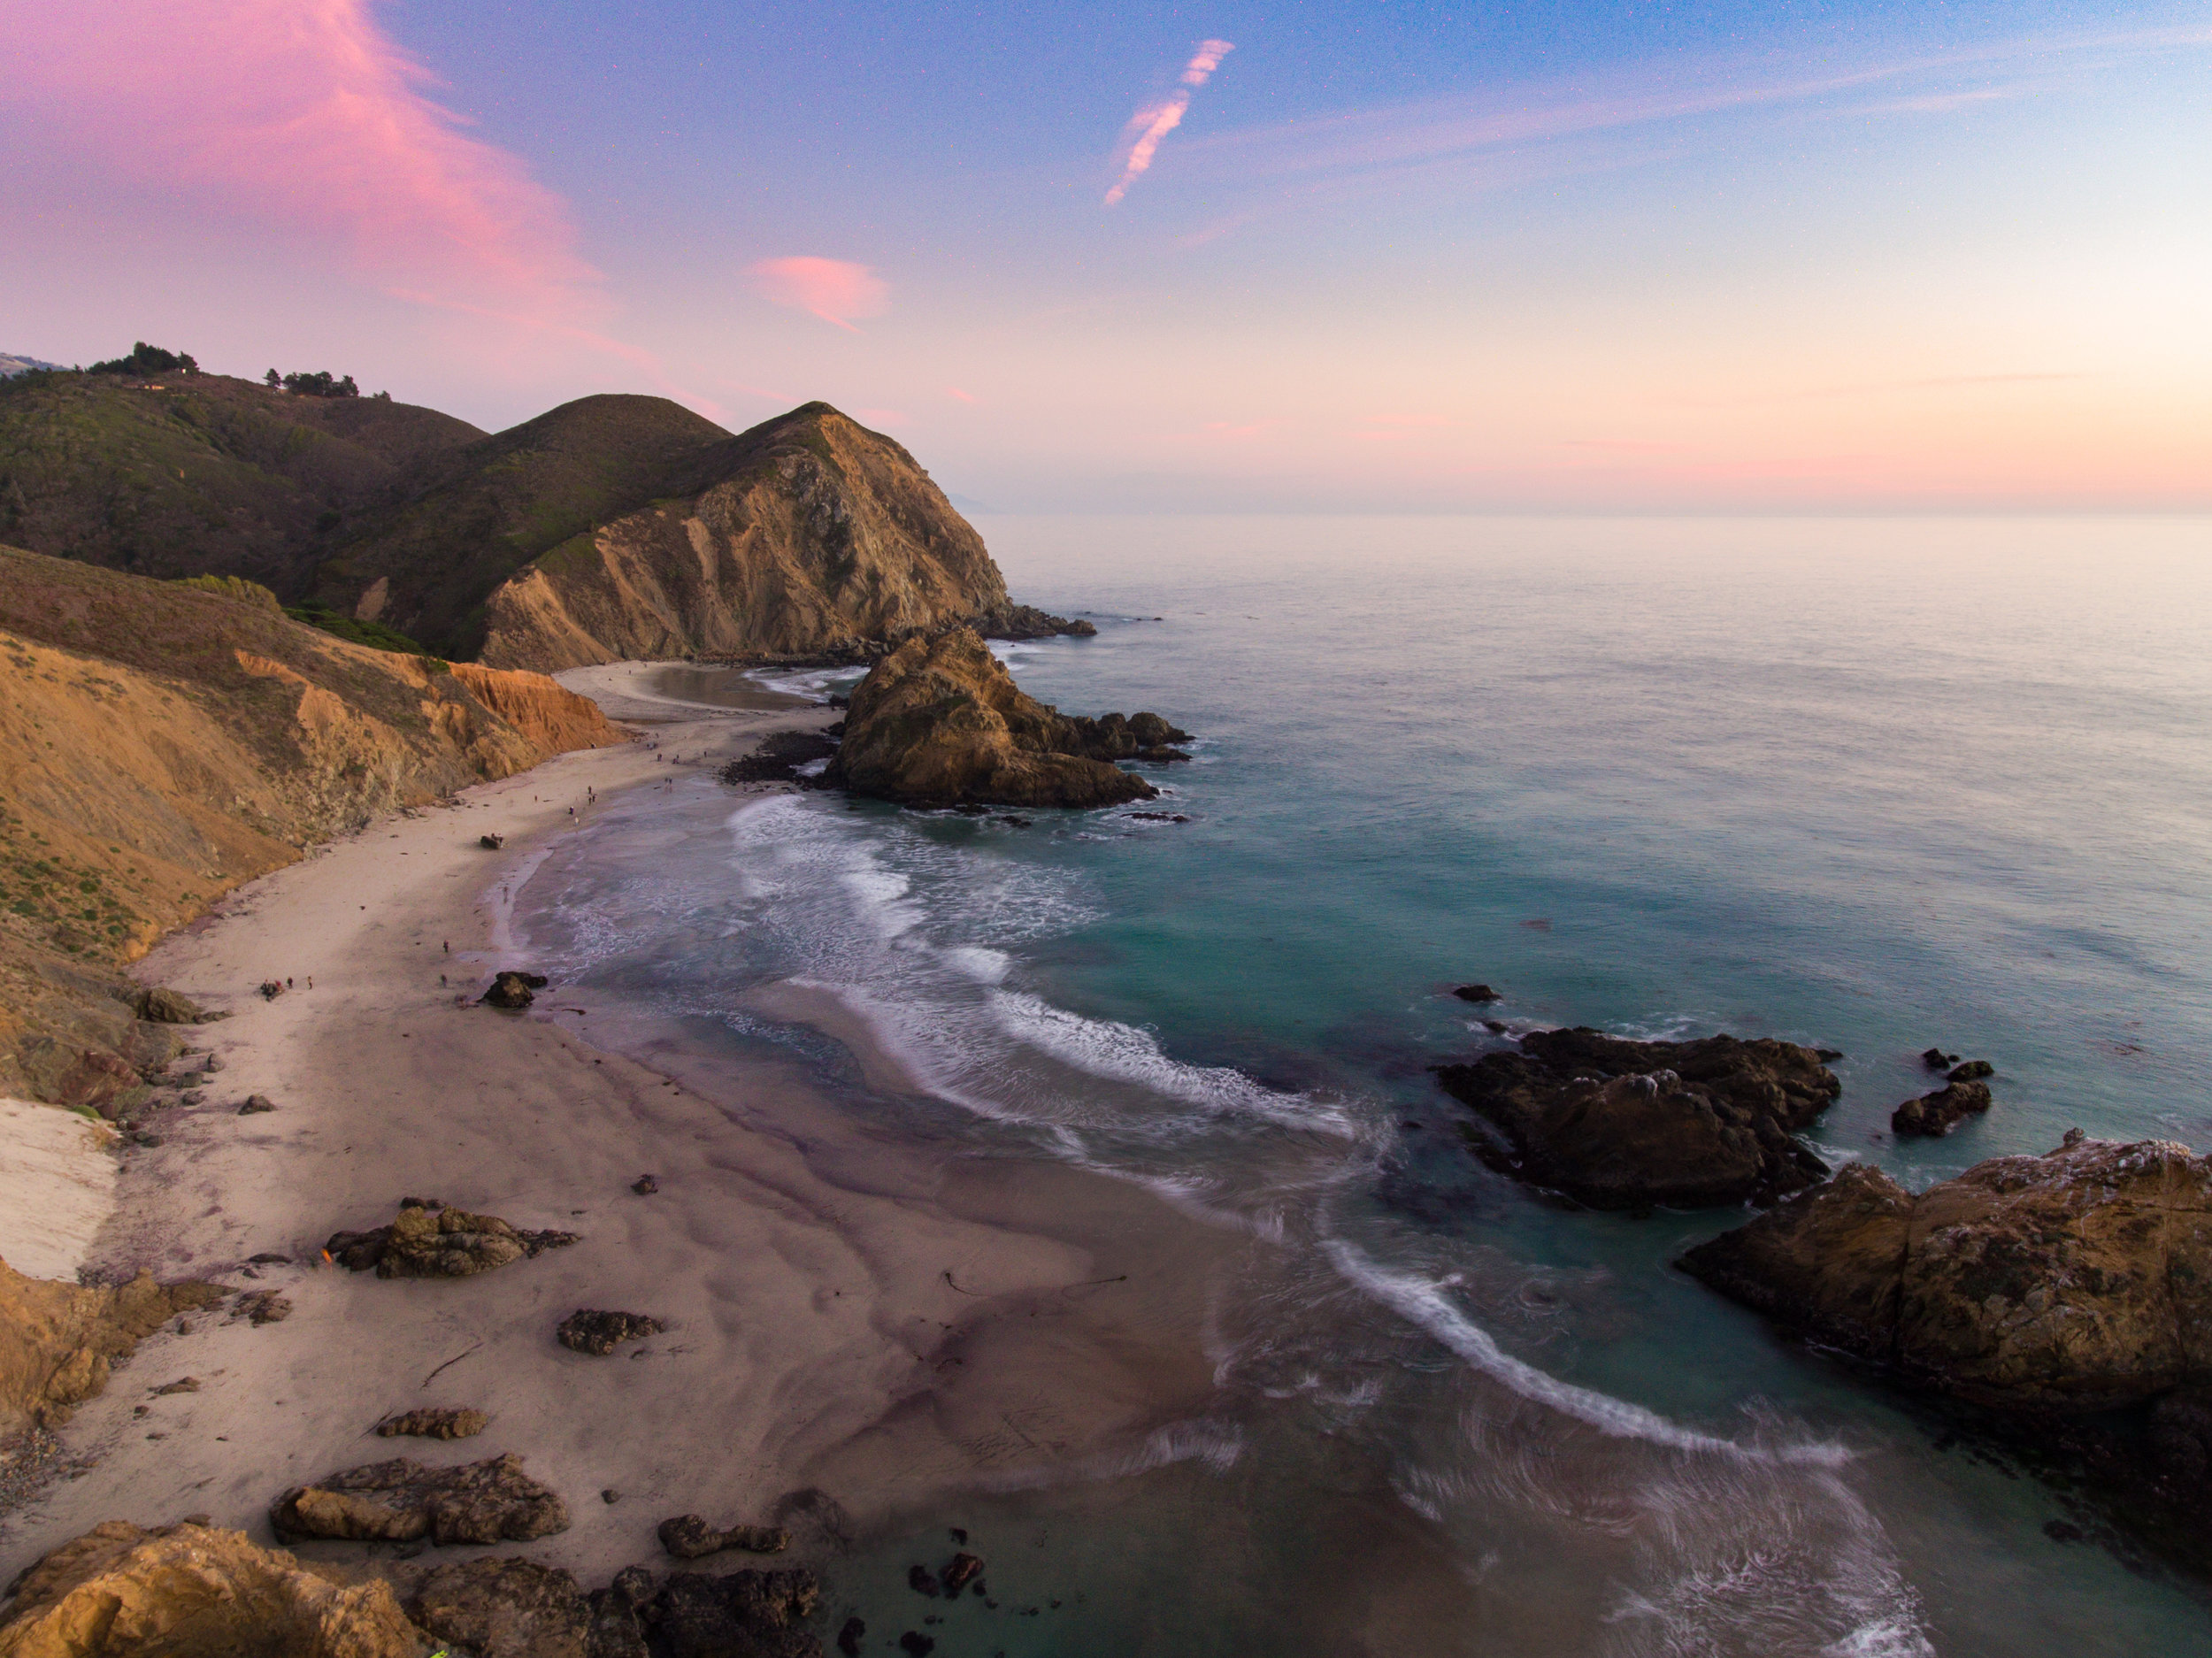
402,1501
431,1241
940,722
1616,1123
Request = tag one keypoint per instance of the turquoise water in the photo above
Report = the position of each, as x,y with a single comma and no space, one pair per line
1872,785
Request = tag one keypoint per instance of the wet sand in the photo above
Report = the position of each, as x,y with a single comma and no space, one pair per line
852,1315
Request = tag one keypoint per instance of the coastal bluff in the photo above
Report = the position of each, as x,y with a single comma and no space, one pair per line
940,722
161,742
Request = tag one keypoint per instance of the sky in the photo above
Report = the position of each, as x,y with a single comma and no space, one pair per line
1372,256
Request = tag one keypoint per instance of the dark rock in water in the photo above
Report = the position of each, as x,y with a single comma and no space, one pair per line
256,1103
1972,1071
1160,816
849,1638
2079,1280
1827,1056
443,1243
645,1186
745,1614
401,1502
1622,1124
778,757
1477,992
513,990
1936,1059
688,1537
263,1306
961,1573
940,722
1027,621
504,1609
915,1644
490,842
600,1333
1935,1115
921,1580
1016,823
972,811
435,1423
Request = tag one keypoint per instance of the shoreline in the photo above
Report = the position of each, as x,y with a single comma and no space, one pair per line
803,1259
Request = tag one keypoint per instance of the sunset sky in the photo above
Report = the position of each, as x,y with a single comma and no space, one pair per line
1337,257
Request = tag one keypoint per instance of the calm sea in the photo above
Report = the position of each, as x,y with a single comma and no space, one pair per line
1871,784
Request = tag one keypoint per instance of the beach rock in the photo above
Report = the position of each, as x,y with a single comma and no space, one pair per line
426,1242
1972,1071
402,1501
744,1615
182,1385
163,1006
778,757
1936,1059
1616,1123
263,1306
645,1186
940,722
1935,1115
1477,992
435,1423
513,990
600,1333
2080,1280
58,1341
617,1623
510,1608
491,843
192,1591
962,1571
256,1104
688,1537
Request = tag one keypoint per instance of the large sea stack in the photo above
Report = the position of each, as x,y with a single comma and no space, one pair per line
940,722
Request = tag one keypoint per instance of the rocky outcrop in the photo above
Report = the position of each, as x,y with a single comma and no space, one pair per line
694,1615
1935,1115
160,744
807,535
192,1591
402,1501
435,1422
940,722
600,1333
2079,1281
504,1609
1616,1123
57,1341
440,1243
689,1537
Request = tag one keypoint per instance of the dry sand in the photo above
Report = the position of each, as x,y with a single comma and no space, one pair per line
847,1310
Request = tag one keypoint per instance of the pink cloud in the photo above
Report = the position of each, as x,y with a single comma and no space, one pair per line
835,290
297,116
955,391
1141,138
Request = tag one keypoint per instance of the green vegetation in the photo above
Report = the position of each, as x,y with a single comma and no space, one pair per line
147,361
373,634
322,383
233,588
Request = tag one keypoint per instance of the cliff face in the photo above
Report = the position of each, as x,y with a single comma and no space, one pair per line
805,536
158,745
940,722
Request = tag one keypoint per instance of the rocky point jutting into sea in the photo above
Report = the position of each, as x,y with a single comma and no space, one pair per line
753,1155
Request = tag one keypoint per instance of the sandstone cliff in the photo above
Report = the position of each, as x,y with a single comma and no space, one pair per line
161,743
57,1341
940,722
809,535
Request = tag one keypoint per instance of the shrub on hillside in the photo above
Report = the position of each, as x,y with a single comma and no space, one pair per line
233,588
148,359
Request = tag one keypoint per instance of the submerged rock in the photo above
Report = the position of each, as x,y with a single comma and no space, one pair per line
435,1423
1623,1125
2079,1281
193,1591
1935,1115
1476,993
1972,1071
429,1242
940,722
401,1501
600,1333
778,757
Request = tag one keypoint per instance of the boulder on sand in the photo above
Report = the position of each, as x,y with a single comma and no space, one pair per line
423,1243
435,1423
2079,1280
401,1501
600,1333
1616,1123
689,1537
940,722
513,990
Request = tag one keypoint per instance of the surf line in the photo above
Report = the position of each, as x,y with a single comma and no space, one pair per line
1424,1304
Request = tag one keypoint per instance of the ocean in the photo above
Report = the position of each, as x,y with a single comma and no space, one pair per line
1872,784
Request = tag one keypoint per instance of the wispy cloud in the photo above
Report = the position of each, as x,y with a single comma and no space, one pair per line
1141,137
297,116
835,290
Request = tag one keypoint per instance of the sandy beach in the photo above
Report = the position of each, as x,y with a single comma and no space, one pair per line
855,1322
